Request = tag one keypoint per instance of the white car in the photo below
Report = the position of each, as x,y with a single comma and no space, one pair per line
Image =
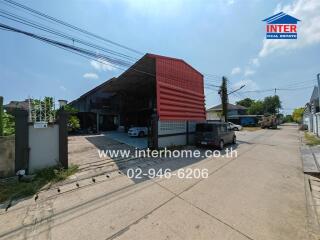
138,132
234,127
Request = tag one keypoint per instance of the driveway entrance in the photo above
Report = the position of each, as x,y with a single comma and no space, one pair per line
136,142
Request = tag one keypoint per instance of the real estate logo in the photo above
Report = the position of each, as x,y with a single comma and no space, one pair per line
281,26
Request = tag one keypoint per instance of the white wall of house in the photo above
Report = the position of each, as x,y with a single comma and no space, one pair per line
307,121
212,115
315,128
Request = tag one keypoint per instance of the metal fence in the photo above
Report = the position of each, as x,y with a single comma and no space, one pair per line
42,110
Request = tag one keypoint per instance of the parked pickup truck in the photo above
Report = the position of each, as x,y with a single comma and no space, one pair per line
268,122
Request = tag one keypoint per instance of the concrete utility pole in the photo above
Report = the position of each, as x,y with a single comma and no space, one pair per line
318,79
224,98
1,116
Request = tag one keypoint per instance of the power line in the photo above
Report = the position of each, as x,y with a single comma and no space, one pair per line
51,19
72,26
36,25
82,52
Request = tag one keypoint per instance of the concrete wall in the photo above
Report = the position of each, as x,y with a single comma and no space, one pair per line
174,133
44,147
178,140
210,115
7,156
315,128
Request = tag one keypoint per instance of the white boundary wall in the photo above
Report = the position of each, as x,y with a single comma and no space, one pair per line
44,147
174,133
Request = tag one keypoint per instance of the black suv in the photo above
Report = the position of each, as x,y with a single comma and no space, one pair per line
215,134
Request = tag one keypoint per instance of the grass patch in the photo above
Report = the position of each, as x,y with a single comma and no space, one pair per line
16,189
251,129
311,140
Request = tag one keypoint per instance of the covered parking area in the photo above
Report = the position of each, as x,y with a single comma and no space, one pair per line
163,94
136,102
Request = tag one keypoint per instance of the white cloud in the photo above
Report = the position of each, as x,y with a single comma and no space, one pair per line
308,11
255,62
235,70
91,75
248,72
102,65
63,88
166,8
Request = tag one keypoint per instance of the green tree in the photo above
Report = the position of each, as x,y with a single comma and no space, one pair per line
73,122
256,108
297,114
247,102
8,124
288,118
271,104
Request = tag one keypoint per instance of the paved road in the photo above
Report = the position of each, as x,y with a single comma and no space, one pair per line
258,195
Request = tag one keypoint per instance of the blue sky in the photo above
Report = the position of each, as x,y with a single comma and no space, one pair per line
216,37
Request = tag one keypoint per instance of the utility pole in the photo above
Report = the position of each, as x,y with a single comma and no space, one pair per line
275,91
1,116
318,79
224,98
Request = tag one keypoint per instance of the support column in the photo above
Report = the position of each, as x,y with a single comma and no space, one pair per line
63,137
98,121
187,132
21,140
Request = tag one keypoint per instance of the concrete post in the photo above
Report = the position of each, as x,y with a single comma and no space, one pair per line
187,132
1,116
98,122
62,120
318,79
21,140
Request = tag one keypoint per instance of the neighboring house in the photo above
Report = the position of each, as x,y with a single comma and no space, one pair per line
13,105
214,113
307,117
236,114
311,115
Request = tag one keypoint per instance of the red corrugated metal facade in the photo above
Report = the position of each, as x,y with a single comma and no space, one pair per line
180,92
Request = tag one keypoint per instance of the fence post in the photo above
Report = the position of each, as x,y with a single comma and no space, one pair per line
63,137
1,116
21,140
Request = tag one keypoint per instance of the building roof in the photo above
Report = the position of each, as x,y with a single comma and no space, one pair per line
17,105
171,58
281,18
315,94
230,107
135,74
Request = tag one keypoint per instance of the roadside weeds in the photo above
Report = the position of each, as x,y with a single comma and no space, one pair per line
311,140
19,189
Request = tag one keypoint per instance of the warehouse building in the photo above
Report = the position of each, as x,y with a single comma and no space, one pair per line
162,93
